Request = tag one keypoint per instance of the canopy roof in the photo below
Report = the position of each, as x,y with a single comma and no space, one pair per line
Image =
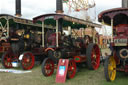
119,16
13,19
66,18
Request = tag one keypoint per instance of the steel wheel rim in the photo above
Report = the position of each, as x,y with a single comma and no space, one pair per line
71,69
49,67
112,69
28,61
95,57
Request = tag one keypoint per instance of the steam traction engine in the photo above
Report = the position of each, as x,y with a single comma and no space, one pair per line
24,39
20,40
61,46
118,60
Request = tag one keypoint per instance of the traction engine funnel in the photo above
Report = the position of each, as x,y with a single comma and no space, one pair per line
124,3
18,8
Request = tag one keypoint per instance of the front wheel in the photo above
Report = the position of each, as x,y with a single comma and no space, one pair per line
7,59
71,69
110,68
28,61
47,67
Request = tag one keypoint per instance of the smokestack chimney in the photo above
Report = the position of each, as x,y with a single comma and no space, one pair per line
59,10
59,6
124,3
18,8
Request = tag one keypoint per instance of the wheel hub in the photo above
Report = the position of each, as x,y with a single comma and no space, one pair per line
111,68
48,67
94,56
71,68
8,59
27,60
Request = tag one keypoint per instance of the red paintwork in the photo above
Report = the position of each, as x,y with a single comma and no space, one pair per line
116,58
4,47
1,49
111,11
38,51
122,29
121,32
124,69
52,39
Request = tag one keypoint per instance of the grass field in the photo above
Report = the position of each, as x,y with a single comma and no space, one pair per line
83,77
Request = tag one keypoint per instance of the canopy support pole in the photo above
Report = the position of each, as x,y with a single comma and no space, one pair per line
112,30
42,33
93,34
7,27
57,33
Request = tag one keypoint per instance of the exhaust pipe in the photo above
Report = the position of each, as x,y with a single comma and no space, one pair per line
18,8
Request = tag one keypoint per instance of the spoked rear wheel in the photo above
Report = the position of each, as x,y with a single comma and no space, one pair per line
71,69
47,67
110,69
27,61
93,56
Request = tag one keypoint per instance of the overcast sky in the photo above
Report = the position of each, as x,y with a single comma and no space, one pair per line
32,8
